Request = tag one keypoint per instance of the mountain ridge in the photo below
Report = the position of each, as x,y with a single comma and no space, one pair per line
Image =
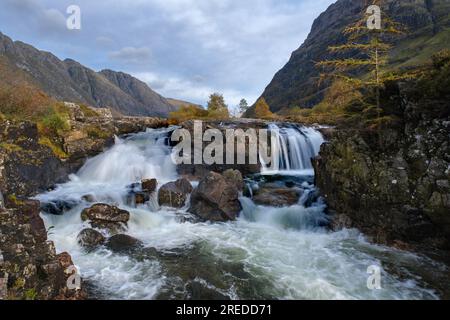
69,80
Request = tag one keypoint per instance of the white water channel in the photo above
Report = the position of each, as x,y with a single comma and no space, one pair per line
278,253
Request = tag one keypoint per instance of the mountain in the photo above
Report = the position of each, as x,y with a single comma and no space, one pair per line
296,84
180,103
69,80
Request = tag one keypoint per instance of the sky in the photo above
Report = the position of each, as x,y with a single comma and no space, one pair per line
184,49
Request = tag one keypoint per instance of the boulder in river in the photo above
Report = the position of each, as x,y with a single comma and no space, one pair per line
215,199
58,207
234,177
108,217
149,185
123,243
174,194
90,238
276,197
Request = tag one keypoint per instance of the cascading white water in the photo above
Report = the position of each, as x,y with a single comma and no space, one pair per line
295,146
277,253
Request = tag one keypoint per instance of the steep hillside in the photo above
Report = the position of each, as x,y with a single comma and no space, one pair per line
70,81
296,84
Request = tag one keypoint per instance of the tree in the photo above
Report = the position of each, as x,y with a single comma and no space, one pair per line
367,43
262,110
217,107
243,106
216,102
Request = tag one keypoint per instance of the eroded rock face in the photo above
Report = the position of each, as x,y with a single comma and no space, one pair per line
215,199
108,217
400,194
174,194
90,238
29,266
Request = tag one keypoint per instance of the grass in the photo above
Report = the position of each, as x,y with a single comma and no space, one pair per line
88,112
57,150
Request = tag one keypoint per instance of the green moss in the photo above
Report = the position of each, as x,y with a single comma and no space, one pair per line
30,294
13,199
19,283
57,151
97,133
10,147
88,112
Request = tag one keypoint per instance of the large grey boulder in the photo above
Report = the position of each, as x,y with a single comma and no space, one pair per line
215,199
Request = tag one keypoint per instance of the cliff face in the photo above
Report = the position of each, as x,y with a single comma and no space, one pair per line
296,84
393,183
68,80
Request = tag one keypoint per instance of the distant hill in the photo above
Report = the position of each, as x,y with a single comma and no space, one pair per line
180,103
68,80
296,84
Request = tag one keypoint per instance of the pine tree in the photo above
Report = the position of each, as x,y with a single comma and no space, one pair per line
368,42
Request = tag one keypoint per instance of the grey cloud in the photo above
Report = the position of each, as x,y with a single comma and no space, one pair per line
132,55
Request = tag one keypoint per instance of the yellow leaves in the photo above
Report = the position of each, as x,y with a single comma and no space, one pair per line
262,110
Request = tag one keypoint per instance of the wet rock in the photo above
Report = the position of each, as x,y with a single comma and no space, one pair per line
395,190
90,238
149,185
58,207
234,177
276,197
122,243
174,194
108,217
30,269
215,199
141,197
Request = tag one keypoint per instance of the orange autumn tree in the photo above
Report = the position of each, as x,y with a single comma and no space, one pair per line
262,110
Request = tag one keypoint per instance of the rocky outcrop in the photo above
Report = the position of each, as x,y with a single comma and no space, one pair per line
107,217
29,165
393,183
297,83
68,80
29,266
174,194
215,199
198,171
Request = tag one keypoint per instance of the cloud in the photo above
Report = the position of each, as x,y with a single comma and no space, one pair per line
190,47
190,90
132,55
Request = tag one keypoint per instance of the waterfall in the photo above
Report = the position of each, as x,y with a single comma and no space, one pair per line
295,146
284,250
